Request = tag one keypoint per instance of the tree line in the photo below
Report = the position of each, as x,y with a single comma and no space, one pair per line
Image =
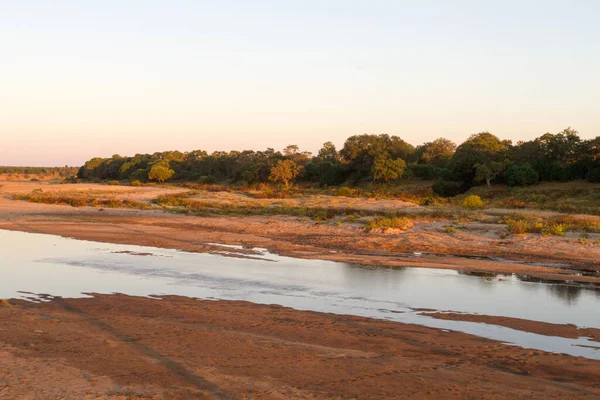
482,159
62,172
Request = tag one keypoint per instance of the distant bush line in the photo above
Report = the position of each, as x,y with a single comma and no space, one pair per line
39,172
483,159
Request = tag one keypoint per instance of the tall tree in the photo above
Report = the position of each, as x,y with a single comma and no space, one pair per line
437,153
479,158
160,173
386,169
328,152
361,151
284,171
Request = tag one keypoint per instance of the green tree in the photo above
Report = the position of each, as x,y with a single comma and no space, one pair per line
293,153
329,153
563,147
386,169
488,171
361,151
284,171
88,170
160,173
437,153
478,159
520,175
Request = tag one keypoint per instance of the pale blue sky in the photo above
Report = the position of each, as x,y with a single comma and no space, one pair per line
81,78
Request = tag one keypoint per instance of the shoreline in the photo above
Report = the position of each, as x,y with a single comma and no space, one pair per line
280,235
473,246
568,331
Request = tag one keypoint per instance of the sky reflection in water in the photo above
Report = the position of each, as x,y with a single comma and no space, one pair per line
58,266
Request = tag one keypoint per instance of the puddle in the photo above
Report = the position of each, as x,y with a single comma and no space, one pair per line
56,266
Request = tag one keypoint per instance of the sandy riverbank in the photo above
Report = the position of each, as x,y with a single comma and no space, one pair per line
300,237
121,347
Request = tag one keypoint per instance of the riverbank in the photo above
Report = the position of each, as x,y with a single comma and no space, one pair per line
118,347
473,246
122,347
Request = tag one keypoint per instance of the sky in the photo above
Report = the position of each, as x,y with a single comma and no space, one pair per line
85,78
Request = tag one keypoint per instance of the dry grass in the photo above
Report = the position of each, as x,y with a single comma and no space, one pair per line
555,225
385,223
578,197
80,200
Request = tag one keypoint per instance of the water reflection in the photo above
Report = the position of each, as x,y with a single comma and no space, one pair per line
567,293
65,267
481,274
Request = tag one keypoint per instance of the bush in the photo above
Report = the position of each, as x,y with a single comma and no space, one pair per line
517,227
521,175
208,180
320,215
472,201
345,191
428,172
555,226
386,223
136,183
554,229
446,189
513,204
594,175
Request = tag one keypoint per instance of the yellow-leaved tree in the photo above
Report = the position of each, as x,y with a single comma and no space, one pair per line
285,171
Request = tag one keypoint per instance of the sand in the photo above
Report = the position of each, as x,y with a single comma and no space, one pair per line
121,347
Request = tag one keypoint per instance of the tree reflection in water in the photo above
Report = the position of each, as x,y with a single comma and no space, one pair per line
569,292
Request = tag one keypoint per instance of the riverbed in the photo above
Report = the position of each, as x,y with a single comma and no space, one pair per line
39,267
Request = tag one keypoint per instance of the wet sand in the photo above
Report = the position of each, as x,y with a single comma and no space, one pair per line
120,347
542,328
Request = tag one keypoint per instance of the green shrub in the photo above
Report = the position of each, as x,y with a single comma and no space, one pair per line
445,189
594,175
553,229
521,175
352,218
473,201
517,227
385,223
449,229
537,198
345,191
320,215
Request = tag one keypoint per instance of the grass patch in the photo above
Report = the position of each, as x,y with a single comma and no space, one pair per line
553,226
385,223
80,200
182,201
577,197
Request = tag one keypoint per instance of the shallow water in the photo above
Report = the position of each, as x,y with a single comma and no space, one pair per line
45,264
